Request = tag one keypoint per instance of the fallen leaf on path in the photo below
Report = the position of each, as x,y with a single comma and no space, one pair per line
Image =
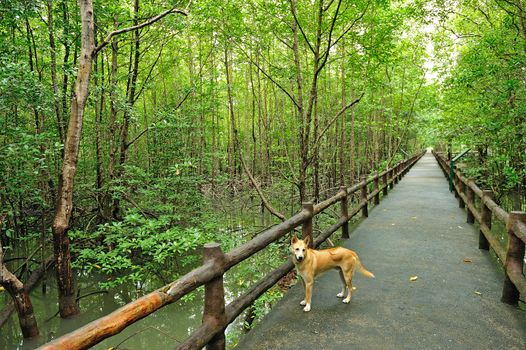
478,293
459,226
413,217
353,288
393,224
467,260
413,278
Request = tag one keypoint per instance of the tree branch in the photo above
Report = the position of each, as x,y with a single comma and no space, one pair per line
264,200
148,22
331,122
301,29
330,45
270,78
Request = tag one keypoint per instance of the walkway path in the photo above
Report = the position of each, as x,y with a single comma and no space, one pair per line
417,230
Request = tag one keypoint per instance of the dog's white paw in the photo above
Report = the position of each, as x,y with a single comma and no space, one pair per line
306,308
340,295
303,303
346,300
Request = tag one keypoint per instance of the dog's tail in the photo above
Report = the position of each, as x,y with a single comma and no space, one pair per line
363,270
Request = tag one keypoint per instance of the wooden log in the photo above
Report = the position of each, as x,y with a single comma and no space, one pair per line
520,230
266,237
377,189
494,243
365,210
214,309
485,214
345,213
385,184
470,195
514,259
461,192
321,206
306,228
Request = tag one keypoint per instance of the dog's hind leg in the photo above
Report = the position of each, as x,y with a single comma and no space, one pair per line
344,284
348,280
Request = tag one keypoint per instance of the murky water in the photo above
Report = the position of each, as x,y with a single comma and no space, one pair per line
161,330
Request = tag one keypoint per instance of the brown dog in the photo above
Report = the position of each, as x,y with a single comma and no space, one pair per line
310,263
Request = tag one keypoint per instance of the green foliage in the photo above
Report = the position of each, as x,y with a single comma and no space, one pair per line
481,93
136,248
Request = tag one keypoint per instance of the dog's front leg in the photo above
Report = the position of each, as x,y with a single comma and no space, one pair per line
308,293
303,302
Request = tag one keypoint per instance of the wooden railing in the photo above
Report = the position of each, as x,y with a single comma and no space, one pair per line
216,315
515,221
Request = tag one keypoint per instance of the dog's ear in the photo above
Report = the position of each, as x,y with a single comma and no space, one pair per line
307,241
294,239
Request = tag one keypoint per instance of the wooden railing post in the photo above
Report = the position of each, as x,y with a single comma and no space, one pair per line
214,309
396,167
377,189
365,210
470,196
485,214
345,213
457,183
462,189
306,228
391,178
384,180
514,259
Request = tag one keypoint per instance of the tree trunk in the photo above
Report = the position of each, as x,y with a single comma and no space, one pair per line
99,103
53,67
65,73
111,203
66,286
341,148
299,99
23,306
130,94
232,151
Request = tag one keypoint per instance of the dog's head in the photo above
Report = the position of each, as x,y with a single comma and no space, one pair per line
298,248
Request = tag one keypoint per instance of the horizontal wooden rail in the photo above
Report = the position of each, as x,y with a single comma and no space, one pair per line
512,257
213,268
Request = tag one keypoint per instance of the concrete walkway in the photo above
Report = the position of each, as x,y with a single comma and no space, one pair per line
417,230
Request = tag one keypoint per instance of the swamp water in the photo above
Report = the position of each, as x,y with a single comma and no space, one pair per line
163,329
